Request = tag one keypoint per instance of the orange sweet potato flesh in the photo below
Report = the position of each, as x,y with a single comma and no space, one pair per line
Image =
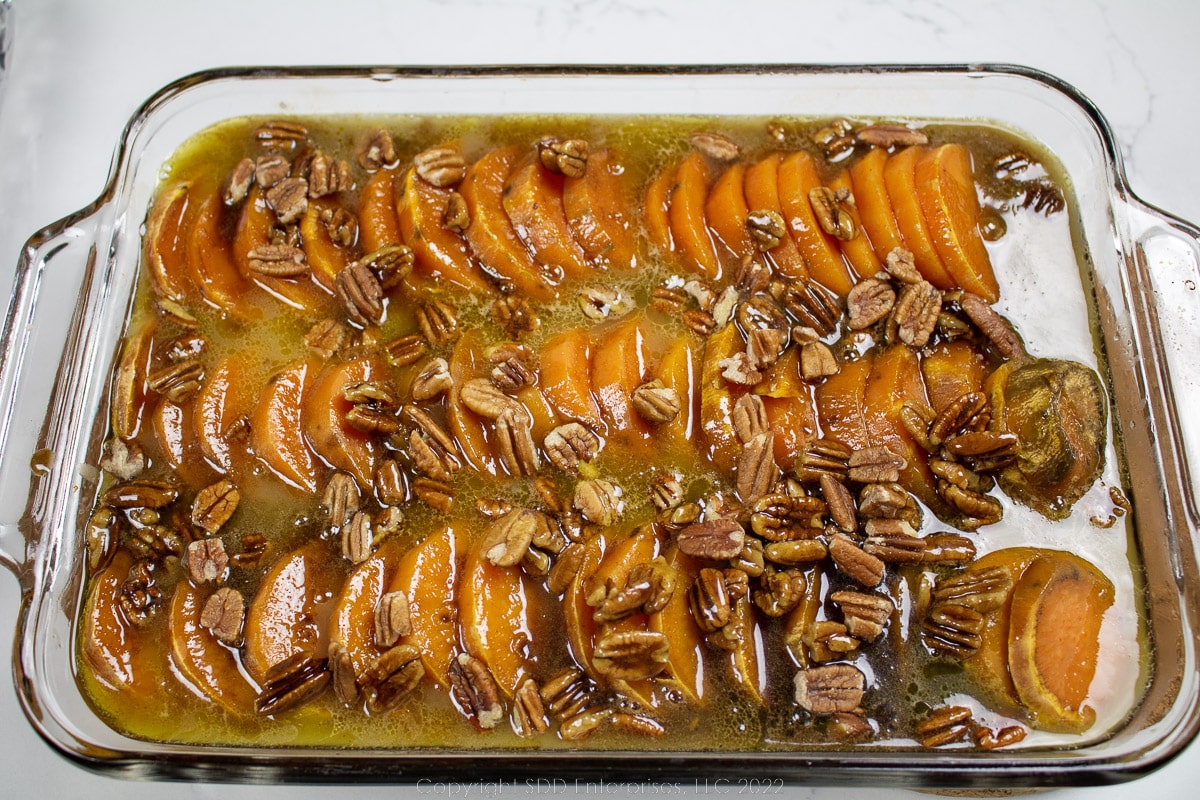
533,200
599,209
745,662
688,229
566,377
166,242
428,575
895,379
254,230
490,233
352,621
325,258
656,215
289,614
323,418
858,251
797,177
494,608
794,421
208,666
679,370
439,254
618,368
275,427
210,261
577,614
378,225
761,187
686,640
841,402
110,639
466,363
951,369
946,192
175,434
717,397
726,211
874,208
899,175
222,399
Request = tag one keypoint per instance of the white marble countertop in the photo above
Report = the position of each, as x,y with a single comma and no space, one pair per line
77,69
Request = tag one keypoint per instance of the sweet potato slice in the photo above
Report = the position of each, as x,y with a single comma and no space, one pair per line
223,399
210,260
253,231
378,225
290,613
840,402
746,661
166,242
685,657
686,212
490,233
946,193
726,211
761,186
680,370
323,418
951,369
428,576
175,434
900,175
717,397
794,421
858,251
352,621
656,215
566,377
439,253
466,363
533,200
129,390
894,380
110,641
210,667
797,177
1058,606
325,258
599,211
874,207
276,430
495,609
618,367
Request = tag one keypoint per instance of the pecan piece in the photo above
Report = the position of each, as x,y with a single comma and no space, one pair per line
568,445
715,146
528,717
327,175
435,494
855,563
566,157
240,180
206,561
280,134
223,614
716,539
890,134
379,150
429,457
778,517
864,614
915,314
901,264
830,688
438,320
944,725
984,591
326,337
506,540
655,403
766,228
514,315
392,619
602,302
599,501
441,166
123,459
288,199
433,379
829,207
756,468
812,305
749,418
868,302
817,361
392,676
630,655
666,492
278,261
780,591
360,294
476,691
823,456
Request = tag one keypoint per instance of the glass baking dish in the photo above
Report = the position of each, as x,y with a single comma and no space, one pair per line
74,286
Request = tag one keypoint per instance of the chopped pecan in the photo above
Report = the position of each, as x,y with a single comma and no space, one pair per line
564,156
868,302
206,561
223,615
278,261
752,276
830,688
737,369
630,655
392,676
457,217
431,380
766,228
836,139
568,445
914,317
440,166
715,146
528,717
723,310
327,175
864,614
756,468
655,403
830,209
122,459
288,199
716,539
438,320
514,315
599,501
379,150
361,294
890,134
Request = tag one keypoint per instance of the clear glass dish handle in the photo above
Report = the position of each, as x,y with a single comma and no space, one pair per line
1167,286
45,289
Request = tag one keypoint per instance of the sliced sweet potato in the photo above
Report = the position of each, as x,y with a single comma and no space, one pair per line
323,418
466,363
166,242
784,379
761,186
325,258
900,175
253,231
494,618
686,213
726,211
210,260
276,430
600,213
378,225
566,377
577,614
352,621
840,402
951,369
794,421
428,576
129,385
685,657
490,233
224,397
545,417
717,397
656,215
858,251
746,661
874,206
111,643
533,200
1057,608
894,380
175,433
209,666
797,177
618,367
946,191
439,253
680,370
290,613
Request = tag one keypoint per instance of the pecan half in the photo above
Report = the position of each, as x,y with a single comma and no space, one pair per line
868,302
655,403
438,320
392,676
379,150
270,169
476,691
528,717
340,499
433,379
855,563
240,180
915,314
953,630
392,619
749,418
564,156
756,468
278,261
140,494
864,614
440,166
514,442
829,207
568,445
327,175
890,134
944,725
327,337
206,561
875,465
481,396
391,264
715,146
357,538
995,327
214,505
223,614
506,540
599,501
630,655
716,539
405,350
830,688
291,683
514,315
766,228
288,199
901,264
435,494
360,294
